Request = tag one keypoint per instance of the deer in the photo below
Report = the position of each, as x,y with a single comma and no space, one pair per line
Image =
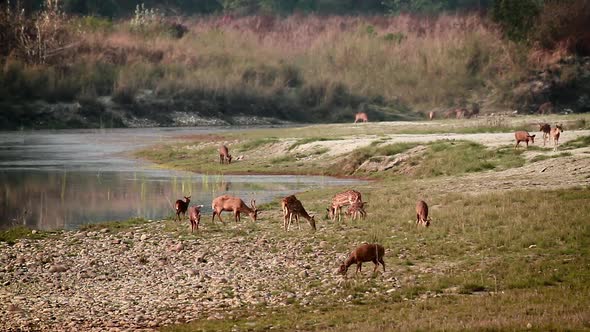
194,215
431,115
545,128
460,113
361,116
555,132
356,209
364,253
422,214
180,207
292,207
235,204
523,136
342,199
224,155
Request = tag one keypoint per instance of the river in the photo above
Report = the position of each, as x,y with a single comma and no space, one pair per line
67,178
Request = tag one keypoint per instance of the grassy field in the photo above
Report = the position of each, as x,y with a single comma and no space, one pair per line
515,259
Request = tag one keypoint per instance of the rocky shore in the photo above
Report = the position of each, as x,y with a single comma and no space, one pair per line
147,276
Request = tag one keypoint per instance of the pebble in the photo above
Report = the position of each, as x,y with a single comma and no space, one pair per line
57,268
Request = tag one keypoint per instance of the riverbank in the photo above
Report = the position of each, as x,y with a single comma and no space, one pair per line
493,258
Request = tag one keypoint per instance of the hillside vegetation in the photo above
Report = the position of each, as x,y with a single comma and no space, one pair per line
157,70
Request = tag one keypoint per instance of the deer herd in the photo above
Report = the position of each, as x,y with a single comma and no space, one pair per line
546,130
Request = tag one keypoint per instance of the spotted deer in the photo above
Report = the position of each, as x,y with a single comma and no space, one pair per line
356,209
224,155
422,214
555,132
523,136
235,204
180,207
292,207
345,198
361,116
545,128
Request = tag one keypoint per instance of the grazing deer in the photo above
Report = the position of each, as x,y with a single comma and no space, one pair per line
292,207
545,108
422,214
224,155
364,253
345,198
356,209
523,136
194,215
235,204
555,132
361,116
431,115
545,128
181,206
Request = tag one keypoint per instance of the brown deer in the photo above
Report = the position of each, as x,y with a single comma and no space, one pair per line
194,215
181,206
545,108
224,155
422,214
545,128
345,198
361,116
523,136
364,253
448,113
460,113
356,209
235,204
555,132
292,207
431,115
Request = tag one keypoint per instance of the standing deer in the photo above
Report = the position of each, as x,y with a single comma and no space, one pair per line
292,207
181,206
345,198
364,253
523,136
545,108
460,113
235,204
224,155
356,209
555,132
194,215
431,115
422,214
361,116
545,128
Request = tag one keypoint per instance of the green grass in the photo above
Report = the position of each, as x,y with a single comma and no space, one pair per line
256,143
308,140
114,226
579,142
545,157
13,234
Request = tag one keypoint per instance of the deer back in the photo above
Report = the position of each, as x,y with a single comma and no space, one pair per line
346,198
422,209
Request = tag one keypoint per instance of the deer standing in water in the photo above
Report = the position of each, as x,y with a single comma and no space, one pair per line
235,204
181,206
224,155
361,116
194,215
545,128
345,198
422,214
292,207
555,132
523,136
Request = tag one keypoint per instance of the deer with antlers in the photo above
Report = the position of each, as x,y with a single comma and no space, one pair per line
235,204
339,200
292,207
180,207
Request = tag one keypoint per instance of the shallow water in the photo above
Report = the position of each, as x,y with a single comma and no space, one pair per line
68,178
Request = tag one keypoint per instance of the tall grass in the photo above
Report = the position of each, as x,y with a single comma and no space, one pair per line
326,66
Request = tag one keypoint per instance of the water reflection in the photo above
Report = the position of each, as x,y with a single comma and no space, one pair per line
64,179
